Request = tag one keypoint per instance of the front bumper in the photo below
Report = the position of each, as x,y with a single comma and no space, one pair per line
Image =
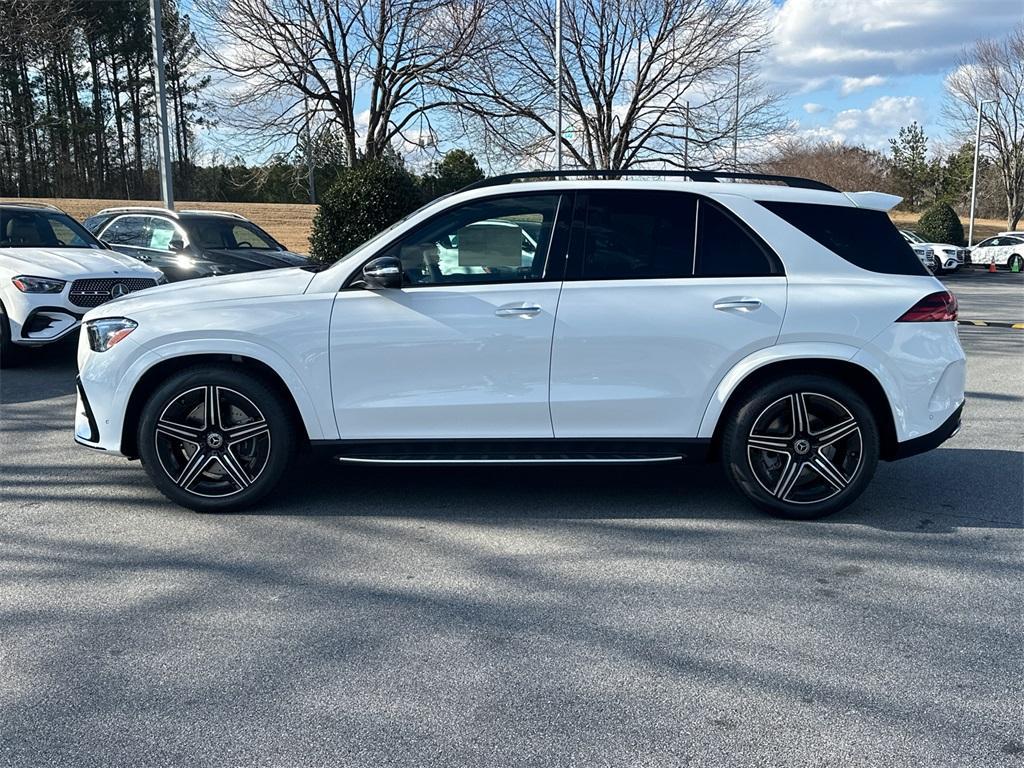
933,439
87,432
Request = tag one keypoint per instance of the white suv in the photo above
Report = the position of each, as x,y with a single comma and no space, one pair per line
787,330
51,272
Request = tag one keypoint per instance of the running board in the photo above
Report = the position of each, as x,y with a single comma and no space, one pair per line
516,451
450,460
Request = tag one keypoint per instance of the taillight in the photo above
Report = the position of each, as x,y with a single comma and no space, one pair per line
938,307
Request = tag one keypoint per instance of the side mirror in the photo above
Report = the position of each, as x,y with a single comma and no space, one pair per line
176,244
383,272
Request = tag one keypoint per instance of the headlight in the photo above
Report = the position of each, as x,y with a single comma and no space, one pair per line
161,279
29,284
108,331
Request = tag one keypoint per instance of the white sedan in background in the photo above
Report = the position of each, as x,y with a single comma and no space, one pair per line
944,257
1003,250
52,271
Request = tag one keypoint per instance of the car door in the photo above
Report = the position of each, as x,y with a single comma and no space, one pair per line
463,349
664,292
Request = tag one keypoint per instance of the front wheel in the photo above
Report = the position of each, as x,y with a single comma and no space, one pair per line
215,439
802,447
9,353
1015,260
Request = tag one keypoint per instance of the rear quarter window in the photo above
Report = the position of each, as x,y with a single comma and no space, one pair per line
863,237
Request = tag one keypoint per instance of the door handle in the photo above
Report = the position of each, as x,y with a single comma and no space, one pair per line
742,304
520,310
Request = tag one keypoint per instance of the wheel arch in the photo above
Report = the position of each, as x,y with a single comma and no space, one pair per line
160,371
860,378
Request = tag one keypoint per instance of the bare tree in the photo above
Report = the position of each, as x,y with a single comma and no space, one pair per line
842,166
644,81
394,56
994,70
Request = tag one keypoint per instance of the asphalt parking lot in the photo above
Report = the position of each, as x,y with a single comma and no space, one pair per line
549,617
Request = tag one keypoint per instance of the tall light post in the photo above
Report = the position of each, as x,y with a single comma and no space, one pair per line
736,126
974,175
558,84
162,136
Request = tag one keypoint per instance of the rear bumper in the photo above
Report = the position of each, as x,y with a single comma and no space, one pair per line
931,440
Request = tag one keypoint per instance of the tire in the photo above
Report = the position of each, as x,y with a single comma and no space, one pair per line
760,445
9,353
937,265
220,466
1015,259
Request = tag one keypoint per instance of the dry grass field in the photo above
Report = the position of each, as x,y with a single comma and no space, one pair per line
290,223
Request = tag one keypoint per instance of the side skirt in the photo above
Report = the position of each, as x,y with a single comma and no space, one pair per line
516,451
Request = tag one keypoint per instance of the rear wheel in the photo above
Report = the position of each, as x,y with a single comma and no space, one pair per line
802,447
215,439
1017,260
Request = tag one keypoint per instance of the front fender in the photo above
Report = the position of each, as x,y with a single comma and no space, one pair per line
109,382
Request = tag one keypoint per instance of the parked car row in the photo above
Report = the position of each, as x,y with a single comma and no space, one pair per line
53,269
938,257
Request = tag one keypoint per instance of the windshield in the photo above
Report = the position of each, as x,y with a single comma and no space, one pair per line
42,229
231,234
911,236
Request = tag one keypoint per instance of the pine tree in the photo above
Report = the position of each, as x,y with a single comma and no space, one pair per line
910,171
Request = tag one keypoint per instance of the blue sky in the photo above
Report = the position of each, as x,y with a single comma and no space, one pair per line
856,70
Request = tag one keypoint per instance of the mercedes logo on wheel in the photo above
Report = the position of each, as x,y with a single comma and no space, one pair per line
117,290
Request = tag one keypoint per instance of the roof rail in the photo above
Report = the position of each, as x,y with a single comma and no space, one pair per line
138,209
695,174
232,214
32,204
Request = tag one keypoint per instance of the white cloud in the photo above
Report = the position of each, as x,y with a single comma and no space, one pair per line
822,41
873,126
858,84
812,109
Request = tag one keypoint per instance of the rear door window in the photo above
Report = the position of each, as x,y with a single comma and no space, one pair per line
863,237
636,235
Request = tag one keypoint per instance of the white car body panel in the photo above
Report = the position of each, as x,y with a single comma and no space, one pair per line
435,361
640,358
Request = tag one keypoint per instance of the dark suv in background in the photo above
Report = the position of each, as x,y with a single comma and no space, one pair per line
188,244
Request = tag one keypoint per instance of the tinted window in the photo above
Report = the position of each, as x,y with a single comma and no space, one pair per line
638,235
1012,241
247,236
222,232
127,230
35,229
725,249
161,232
862,237
489,241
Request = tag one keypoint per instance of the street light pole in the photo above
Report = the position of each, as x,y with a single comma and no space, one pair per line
162,136
686,137
974,175
736,126
310,166
558,84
